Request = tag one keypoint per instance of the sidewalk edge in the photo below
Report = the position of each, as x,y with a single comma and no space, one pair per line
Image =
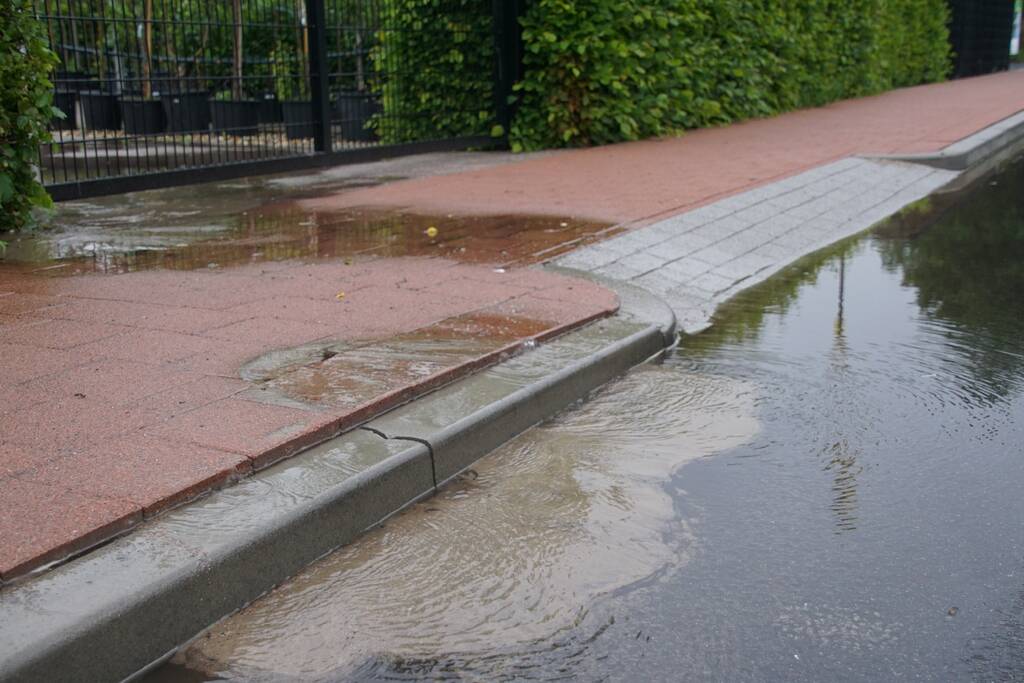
140,622
988,146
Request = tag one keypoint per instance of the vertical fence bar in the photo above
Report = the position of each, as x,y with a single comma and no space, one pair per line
507,57
319,74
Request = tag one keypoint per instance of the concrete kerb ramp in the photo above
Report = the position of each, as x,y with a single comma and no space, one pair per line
979,152
127,606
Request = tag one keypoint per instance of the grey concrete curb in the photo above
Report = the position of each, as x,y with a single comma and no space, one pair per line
989,146
127,606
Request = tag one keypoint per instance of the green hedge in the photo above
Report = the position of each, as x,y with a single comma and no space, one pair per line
25,111
433,70
601,71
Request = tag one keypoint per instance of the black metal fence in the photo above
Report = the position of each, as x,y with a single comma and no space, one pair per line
163,92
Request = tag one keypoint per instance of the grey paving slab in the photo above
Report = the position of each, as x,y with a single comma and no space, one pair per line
683,270
714,256
642,262
714,283
698,258
618,271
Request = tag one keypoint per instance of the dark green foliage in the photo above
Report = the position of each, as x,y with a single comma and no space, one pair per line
600,71
433,68
25,111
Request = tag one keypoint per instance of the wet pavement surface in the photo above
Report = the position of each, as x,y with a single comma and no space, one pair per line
636,183
156,345
825,485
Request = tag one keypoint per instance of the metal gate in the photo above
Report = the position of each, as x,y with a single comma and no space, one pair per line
168,92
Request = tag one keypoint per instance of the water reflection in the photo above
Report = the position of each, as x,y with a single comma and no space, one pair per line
192,229
505,558
965,260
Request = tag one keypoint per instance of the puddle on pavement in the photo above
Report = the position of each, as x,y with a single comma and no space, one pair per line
347,375
509,553
249,221
860,518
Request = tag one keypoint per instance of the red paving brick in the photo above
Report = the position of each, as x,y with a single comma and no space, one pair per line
239,426
16,459
120,394
149,472
638,182
41,523
57,334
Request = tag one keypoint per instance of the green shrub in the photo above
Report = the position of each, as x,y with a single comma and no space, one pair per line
26,101
601,71
433,70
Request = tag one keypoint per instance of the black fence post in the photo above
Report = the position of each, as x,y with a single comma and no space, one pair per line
319,74
508,58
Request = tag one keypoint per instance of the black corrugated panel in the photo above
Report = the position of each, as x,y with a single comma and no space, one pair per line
980,33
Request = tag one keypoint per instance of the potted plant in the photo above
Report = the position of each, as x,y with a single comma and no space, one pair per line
353,112
230,111
99,110
67,86
270,109
292,90
354,108
186,110
237,117
144,115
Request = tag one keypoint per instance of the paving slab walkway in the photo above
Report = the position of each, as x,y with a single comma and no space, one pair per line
698,259
121,396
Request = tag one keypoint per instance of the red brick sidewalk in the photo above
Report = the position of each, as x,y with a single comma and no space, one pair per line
121,395
638,182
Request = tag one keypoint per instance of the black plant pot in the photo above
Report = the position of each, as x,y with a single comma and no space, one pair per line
298,119
187,111
99,110
353,110
235,117
270,111
67,102
75,81
142,117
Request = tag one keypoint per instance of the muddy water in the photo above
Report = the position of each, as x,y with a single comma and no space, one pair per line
508,555
826,485
254,221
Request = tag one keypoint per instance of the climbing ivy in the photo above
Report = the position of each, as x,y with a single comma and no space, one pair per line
25,111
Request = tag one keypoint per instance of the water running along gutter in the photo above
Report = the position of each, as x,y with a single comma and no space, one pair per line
126,606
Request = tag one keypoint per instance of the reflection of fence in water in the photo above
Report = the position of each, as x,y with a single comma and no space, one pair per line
254,237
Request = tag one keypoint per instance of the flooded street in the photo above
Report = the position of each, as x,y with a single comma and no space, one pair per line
826,485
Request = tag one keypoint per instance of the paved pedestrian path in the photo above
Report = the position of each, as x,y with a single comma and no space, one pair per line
641,182
121,396
698,259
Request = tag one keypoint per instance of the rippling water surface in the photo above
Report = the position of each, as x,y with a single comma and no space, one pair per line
826,485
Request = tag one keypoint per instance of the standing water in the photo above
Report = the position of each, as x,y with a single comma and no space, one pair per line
827,484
